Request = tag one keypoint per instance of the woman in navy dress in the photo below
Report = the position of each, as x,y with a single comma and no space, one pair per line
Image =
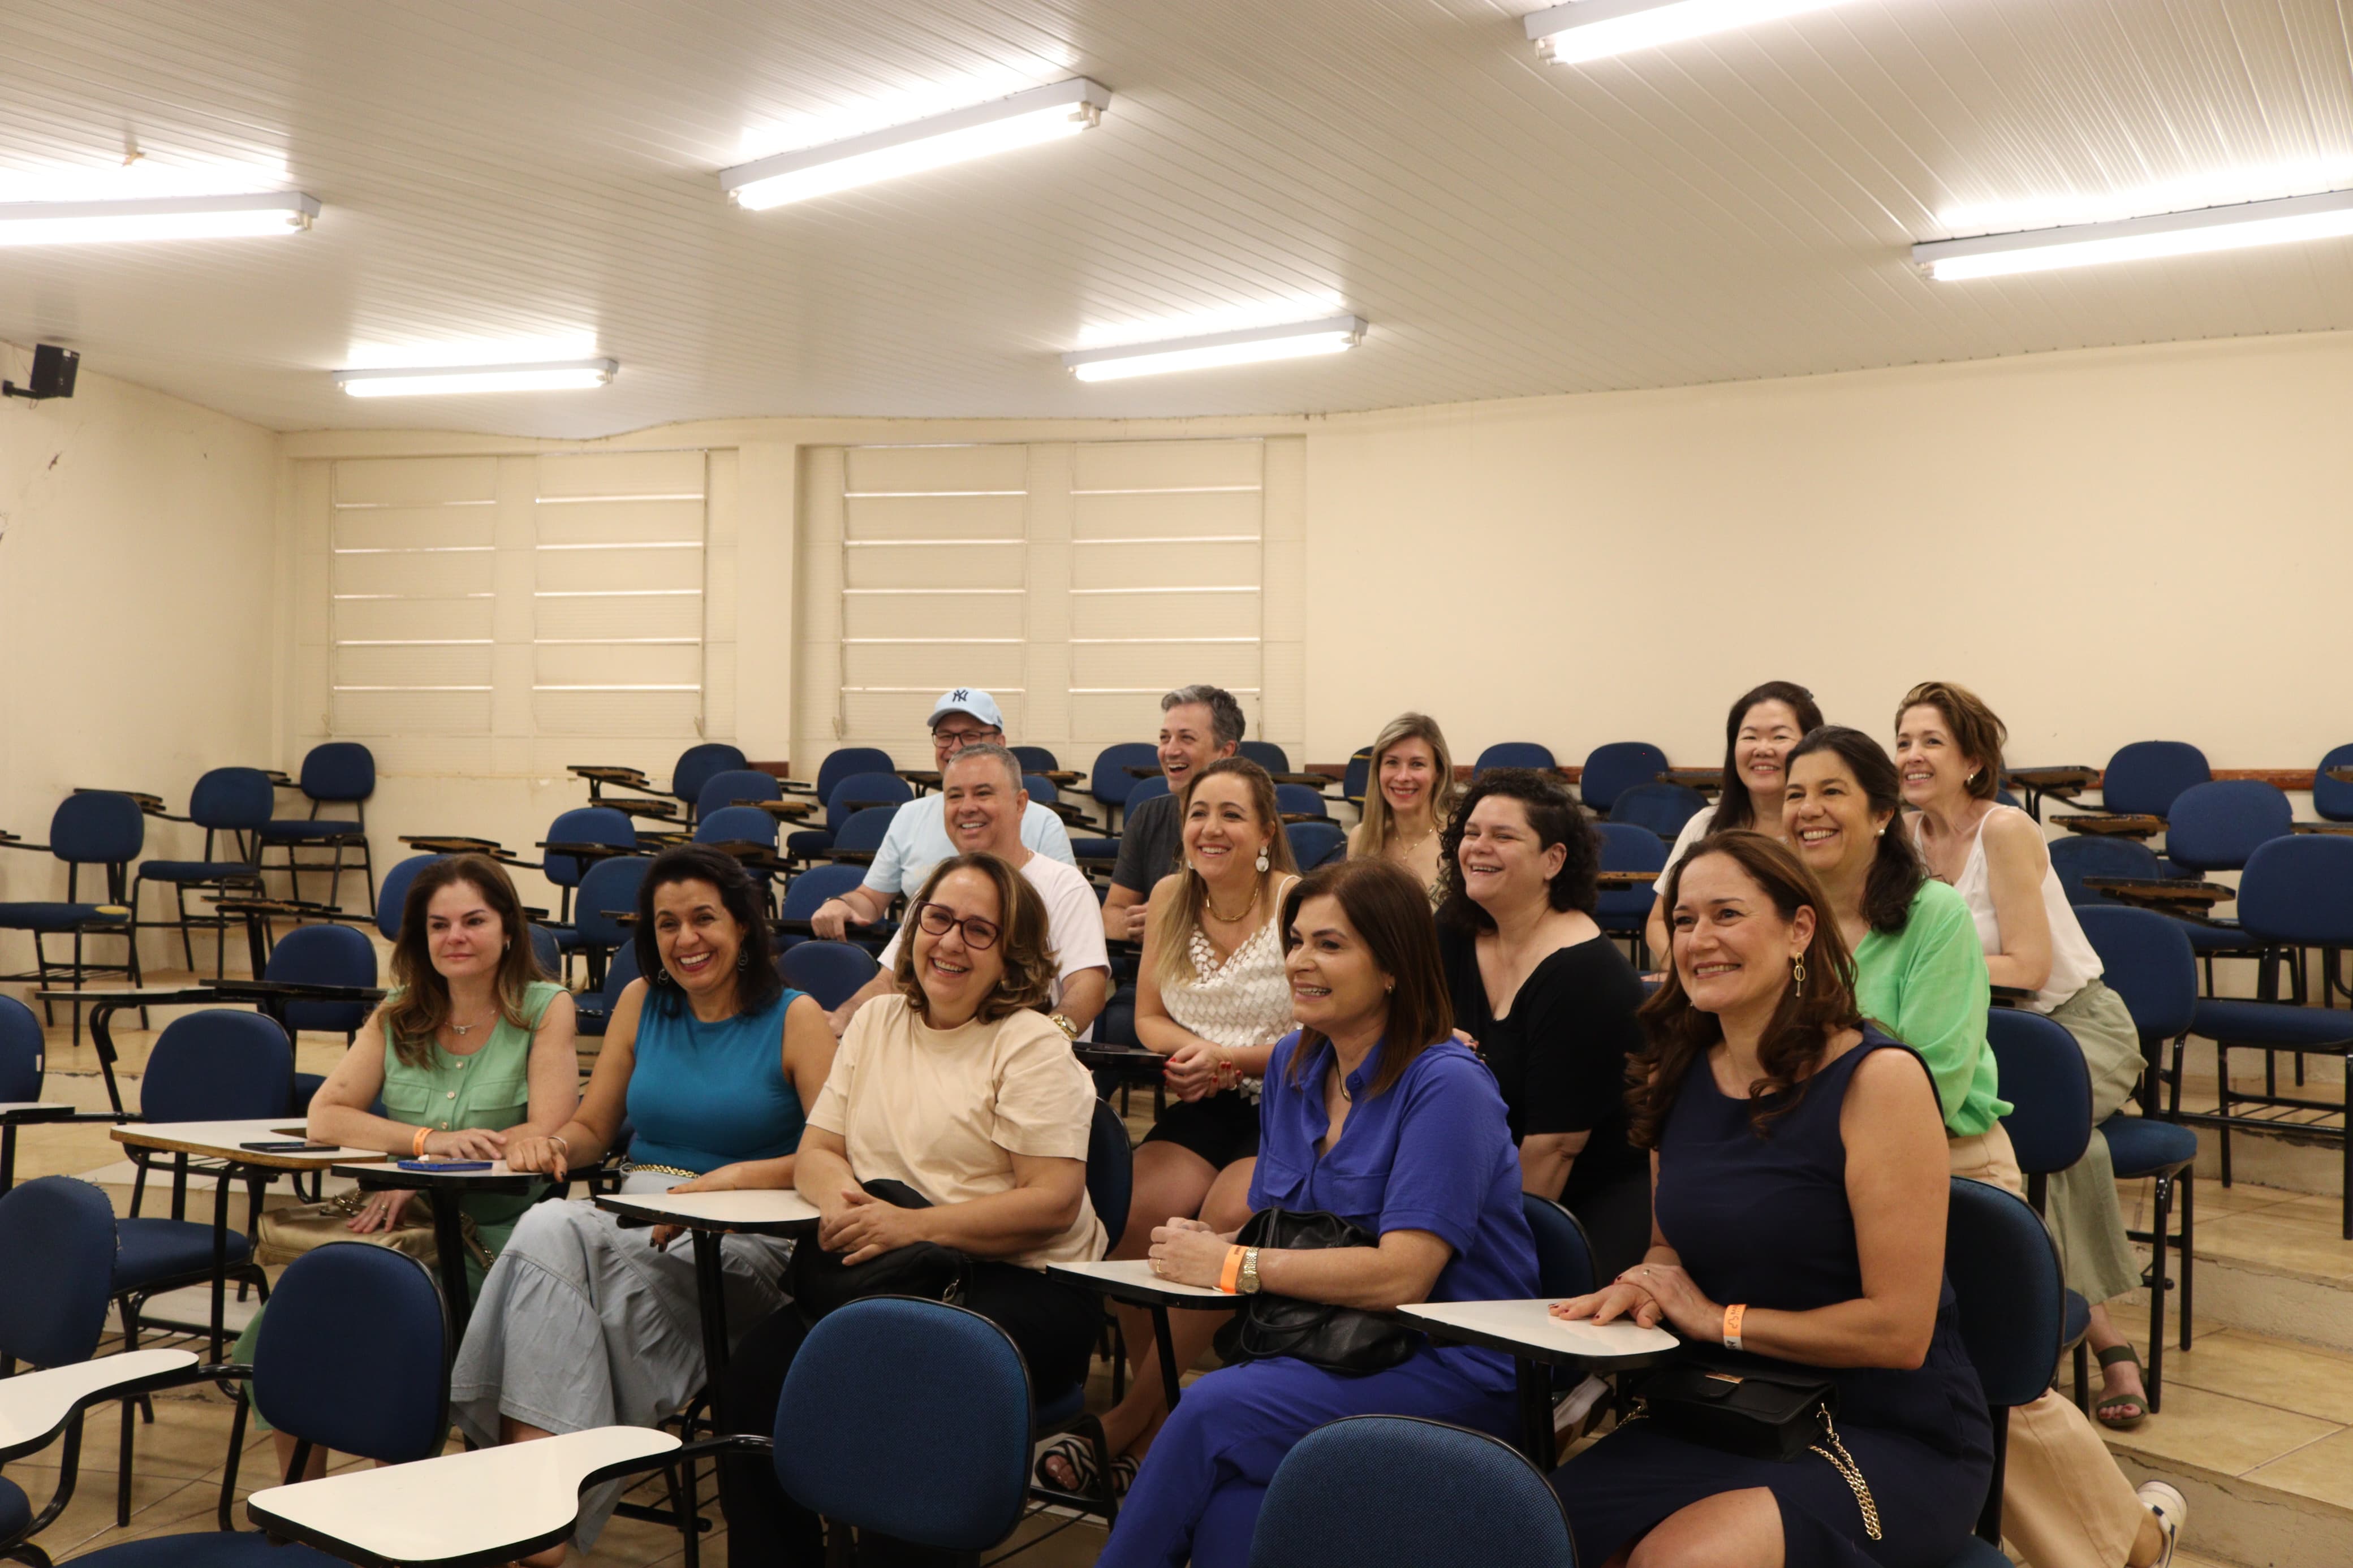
1800,1183
1371,1113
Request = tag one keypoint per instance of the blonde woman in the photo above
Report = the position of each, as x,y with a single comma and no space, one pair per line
1407,800
1210,995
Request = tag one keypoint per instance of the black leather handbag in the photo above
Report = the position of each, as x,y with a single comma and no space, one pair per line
1757,1412
1337,1339
820,1281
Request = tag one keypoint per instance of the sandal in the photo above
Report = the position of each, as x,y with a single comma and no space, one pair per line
2134,1407
1078,1456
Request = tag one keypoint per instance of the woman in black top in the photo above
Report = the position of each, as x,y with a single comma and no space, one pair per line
1549,1000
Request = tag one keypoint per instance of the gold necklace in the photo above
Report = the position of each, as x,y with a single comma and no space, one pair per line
1210,905
1411,844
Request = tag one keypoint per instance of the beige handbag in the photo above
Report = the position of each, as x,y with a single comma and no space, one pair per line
286,1233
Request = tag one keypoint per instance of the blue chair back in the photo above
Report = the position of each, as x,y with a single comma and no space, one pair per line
582,825
57,1252
2040,1069
1266,754
1397,1491
1611,770
391,1405
393,896
338,771
721,790
2215,827
232,800
218,1064
1041,788
1564,1256
696,764
1145,789
1515,754
865,829
1627,846
22,1046
1663,808
829,971
1109,781
736,825
1314,843
2148,775
1357,777
2005,1274
2149,962
1116,1025
98,827
2333,798
1111,1172
607,886
323,955
2298,892
814,886
547,951
844,761
2080,855
1034,759
857,791
896,1387
1299,800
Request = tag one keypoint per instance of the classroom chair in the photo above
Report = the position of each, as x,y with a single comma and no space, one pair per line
591,1011
1663,808
2296,892
1356,778
838,766
2149,964
1342,1499
392,898
810,888
2004,1270
231,803
2145,778
95,829
1110,783
723,790
2079,856
2332,798
863,832
1515,754
547,952
582,825
737,825
1034,759
1564,1256
1611,770
696,766
2042,1072
337,773
1625,913
608,888
1299,800
832,972
851,794
321,956
1148,789
1314,843
22,1058
1266,754
2214,827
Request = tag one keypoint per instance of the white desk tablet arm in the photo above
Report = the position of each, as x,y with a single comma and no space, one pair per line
37,1407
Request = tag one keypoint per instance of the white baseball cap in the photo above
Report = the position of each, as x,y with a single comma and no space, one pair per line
966,699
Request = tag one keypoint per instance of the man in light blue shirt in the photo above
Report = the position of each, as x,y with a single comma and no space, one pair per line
918,839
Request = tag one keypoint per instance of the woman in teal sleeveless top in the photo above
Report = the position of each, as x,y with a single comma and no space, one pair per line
710,1061
470,1049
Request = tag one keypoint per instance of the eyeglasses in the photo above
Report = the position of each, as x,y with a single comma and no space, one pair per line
957,739
937,918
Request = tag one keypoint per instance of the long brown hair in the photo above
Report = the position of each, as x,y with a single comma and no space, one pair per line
1391,912
1022,936
1978,730
1378,828
1676,1034
420,1003
1182,914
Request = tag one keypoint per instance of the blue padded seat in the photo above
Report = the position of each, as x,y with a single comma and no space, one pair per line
697,765
1337,1498
1611,770
2271,1024
323,955
60,917
15,1511
1515,754
162,1248
2142,1145
210,1548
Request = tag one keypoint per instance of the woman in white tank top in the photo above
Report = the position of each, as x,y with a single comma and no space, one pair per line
1948,750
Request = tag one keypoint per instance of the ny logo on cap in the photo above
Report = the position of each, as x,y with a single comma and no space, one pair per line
961,694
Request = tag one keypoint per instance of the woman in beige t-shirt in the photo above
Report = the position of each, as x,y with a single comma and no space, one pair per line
960,1088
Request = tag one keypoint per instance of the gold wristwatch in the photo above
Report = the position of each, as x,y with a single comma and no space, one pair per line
1246,1282
1060,1021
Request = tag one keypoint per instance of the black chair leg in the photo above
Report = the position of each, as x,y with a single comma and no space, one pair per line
2223,1104
2083,1375
2158,1286
2189,1192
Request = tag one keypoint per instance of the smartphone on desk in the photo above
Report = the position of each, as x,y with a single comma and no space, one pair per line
294,1146
442,1164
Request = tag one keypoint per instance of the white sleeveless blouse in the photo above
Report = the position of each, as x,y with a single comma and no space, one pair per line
2073,961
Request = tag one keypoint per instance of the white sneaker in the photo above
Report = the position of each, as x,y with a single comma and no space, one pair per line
2172,1512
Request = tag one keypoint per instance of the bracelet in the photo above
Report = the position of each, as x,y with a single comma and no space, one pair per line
559,1138
1732,1316
1229,1275
416,1151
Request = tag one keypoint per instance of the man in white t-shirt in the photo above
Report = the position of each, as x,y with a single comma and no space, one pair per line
919,838
981,789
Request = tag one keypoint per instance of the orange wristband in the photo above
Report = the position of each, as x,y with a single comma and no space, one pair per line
1232,1272
416,1152
1732,1316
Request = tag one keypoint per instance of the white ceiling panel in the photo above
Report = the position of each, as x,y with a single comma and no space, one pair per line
521,173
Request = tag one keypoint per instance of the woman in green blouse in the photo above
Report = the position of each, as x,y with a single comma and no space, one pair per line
470,1049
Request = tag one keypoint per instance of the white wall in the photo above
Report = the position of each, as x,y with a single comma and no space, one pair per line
138,610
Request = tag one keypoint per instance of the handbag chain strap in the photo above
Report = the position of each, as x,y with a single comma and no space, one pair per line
1851,1473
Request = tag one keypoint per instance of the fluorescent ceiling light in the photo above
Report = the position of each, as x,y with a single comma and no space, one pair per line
2236,227
1595,29
157,217
1298,341
1041,114
563,376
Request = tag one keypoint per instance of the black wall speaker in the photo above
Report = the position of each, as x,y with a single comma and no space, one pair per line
54,370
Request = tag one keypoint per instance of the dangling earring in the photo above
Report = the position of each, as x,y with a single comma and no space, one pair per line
1263,861
1798,973
742,960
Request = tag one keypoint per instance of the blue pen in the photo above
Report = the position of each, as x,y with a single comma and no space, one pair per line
444,1164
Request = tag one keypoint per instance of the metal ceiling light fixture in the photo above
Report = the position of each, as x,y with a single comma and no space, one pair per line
1595,29
1254,345
1041,114
561,376
2248,223
156,218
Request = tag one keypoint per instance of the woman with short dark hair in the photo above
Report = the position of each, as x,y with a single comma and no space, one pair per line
1548,999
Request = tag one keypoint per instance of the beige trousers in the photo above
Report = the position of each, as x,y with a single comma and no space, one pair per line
2064,1503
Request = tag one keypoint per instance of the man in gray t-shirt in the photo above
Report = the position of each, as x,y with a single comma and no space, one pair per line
1199,724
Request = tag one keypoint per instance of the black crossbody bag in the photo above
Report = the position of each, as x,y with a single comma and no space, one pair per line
820,1281
1337,1339
1755,1411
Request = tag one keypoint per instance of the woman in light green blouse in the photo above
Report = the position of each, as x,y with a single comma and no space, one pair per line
470,1049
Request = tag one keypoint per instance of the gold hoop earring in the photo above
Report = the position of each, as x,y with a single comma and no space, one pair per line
1798,974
